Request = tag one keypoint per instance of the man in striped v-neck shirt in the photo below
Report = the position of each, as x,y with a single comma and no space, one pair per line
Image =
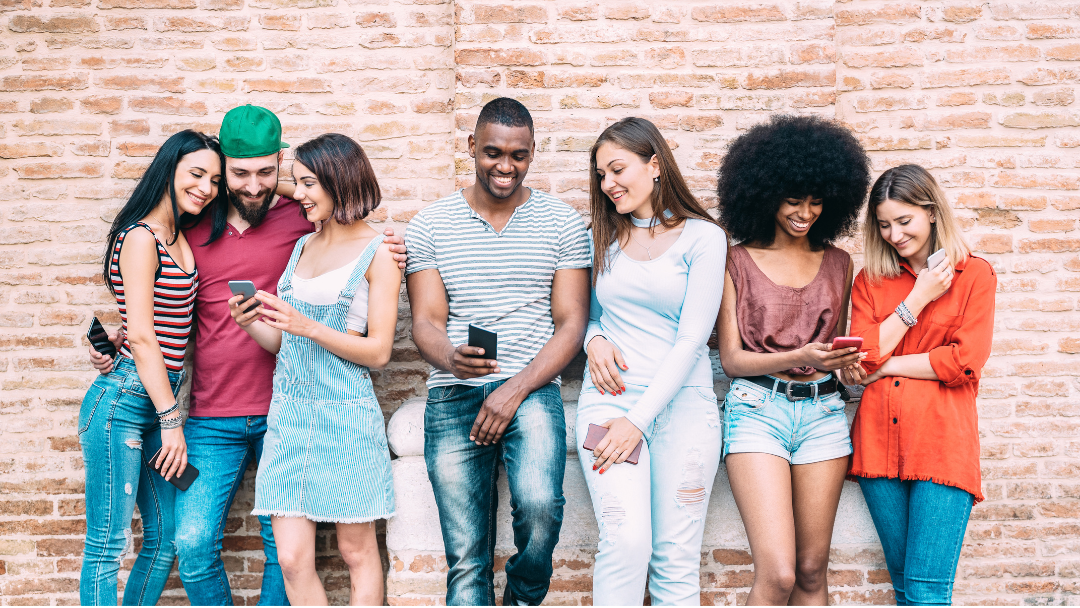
514,261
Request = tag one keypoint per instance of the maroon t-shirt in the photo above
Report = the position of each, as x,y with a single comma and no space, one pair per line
233,375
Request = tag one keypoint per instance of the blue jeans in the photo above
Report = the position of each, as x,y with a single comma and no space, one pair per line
221,448
463,475
118,426
921,525
652,514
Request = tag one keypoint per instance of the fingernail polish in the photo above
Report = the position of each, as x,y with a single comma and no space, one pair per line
602,471
594,467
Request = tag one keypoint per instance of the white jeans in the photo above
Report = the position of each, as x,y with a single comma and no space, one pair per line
652,514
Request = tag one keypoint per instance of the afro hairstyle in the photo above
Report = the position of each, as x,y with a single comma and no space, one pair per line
792,157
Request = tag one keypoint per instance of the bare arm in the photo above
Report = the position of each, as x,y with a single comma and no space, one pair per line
265,336
138,266
570,314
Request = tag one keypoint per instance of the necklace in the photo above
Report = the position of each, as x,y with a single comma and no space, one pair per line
648,251
647,223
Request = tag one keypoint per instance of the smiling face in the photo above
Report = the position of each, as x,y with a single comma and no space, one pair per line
252,183
626,179
795,216
908,228
503,155
196,181
315,202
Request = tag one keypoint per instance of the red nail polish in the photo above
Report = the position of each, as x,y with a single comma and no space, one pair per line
594,467
602,471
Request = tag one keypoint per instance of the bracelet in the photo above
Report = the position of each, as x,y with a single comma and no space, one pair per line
905,315
172,423
165,413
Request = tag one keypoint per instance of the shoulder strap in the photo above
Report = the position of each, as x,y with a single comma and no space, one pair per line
361,267
286,277
157,246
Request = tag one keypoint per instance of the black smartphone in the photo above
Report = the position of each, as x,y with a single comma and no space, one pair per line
100,339
485,339
246,289
182,482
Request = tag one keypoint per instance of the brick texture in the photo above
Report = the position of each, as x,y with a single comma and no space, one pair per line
982,93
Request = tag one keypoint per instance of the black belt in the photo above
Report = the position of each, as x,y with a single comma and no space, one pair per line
797,390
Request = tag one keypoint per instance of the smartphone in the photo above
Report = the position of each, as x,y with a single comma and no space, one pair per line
182,482
597,432
100,339
246,289
935,258
485,339
846,342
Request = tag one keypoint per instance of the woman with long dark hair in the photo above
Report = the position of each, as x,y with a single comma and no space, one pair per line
788,190
325,457
657,260
928,325
132,413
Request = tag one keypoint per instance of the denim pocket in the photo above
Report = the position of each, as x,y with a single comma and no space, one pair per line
746,396
706,394
89,406
832,404
442,394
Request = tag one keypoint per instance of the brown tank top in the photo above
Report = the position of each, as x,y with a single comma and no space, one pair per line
775,318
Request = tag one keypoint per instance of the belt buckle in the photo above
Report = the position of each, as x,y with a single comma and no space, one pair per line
791,385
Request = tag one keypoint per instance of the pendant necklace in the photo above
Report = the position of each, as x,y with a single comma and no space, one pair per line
647,223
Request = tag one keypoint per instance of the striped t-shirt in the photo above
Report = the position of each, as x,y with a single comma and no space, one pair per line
501,281
174,300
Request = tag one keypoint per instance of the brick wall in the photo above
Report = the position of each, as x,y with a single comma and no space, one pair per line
982,93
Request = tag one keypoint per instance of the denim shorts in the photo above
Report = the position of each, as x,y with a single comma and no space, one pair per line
761,420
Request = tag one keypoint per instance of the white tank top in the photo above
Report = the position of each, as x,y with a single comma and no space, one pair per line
324,289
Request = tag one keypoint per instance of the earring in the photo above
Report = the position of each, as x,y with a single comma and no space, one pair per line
656,179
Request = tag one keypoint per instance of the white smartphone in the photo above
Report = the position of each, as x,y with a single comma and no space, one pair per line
935,258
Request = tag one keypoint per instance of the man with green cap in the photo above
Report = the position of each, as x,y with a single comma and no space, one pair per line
232,377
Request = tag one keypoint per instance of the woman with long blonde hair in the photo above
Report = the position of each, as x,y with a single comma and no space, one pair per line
927,326
657,260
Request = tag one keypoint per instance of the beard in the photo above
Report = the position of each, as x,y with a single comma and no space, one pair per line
253,214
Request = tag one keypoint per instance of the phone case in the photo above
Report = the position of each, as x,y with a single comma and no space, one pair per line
183,482
100,339
597,432
847,342
487,340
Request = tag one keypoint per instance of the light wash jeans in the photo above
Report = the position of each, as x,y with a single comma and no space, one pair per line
463,476
652,514
921,525
118,430
220,448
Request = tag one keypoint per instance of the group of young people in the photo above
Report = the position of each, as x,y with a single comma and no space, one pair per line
283,377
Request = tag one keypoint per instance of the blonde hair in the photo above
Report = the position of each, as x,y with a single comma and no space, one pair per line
911,185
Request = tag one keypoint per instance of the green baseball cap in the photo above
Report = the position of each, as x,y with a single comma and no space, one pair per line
249,132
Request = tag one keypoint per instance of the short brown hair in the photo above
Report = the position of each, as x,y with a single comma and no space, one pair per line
345,173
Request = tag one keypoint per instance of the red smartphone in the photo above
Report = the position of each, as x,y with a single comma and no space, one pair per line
846,342
597,432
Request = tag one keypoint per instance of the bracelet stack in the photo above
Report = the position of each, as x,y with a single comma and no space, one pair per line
170,423
905,315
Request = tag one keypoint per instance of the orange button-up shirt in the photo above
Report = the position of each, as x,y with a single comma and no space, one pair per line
925,429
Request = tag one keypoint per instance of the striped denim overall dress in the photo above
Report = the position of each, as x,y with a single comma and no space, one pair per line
324,453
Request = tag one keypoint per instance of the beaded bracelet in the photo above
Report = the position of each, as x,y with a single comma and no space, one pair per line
164,413
172,423
905,315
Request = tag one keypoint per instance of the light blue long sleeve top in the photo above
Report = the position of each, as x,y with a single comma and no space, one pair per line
660,314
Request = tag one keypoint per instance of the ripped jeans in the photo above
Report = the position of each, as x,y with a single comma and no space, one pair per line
652,514
117,428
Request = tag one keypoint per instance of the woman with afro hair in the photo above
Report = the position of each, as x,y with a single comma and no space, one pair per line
788,189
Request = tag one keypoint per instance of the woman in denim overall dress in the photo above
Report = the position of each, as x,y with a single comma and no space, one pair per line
325,457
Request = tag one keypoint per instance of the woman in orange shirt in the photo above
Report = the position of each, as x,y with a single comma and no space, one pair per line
927,334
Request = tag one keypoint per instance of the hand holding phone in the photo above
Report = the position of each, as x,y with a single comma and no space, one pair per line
477,357
100,339
597,432
847,342
182,482
246,289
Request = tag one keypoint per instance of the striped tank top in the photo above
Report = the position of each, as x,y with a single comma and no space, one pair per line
174,301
